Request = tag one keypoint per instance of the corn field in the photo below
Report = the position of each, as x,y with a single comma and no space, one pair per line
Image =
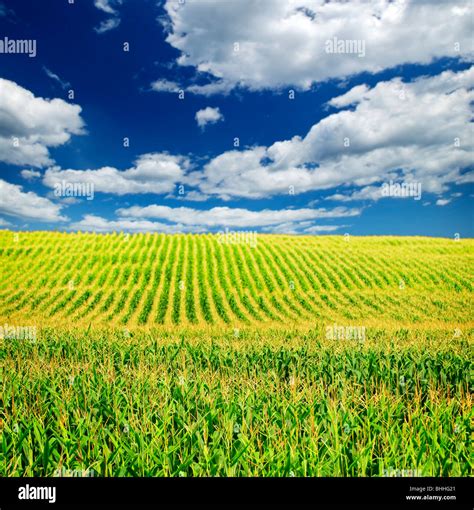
194,280
179,355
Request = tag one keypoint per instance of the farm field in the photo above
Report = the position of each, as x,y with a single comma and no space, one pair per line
180,355
58,279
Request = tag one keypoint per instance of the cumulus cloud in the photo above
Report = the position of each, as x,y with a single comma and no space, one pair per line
191,196
108,24
15,202
233,217
316,229
109,7
419,130
30,175
95,223
443,201
301,228
165,86
208,115
400,189
245,43
29,125
373,193
171,220
152,173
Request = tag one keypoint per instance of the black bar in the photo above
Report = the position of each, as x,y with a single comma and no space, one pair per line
242,492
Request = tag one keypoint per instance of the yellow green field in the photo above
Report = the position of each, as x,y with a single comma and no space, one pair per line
181,355
60,279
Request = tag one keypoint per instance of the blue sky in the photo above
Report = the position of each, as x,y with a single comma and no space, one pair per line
321,130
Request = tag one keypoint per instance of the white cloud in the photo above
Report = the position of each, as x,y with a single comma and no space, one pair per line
186,219
208,115
418,131
301,228
288,227
366,193
191,196
152,173
233,217
108,6
95,223
394,128
354,95
195,196
30,175
443,201
15,202
247,43
29,125
64,200
316,229
108,24
218,87
55,77
165,86
4,223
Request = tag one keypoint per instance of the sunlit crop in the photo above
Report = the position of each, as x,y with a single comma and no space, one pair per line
184,356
